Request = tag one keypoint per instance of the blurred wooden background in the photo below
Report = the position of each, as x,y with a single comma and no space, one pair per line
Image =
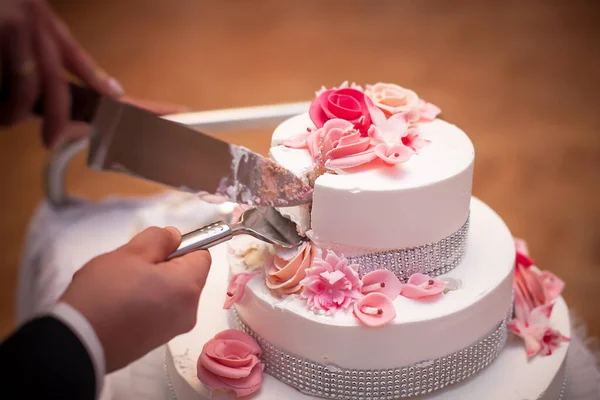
521,78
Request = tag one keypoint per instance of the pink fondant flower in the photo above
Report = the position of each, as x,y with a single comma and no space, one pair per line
231,361
382,281
337,144
393,99
236,288
535,331
345,103
344,85
421,286
285,272
374,309
532,287
331,283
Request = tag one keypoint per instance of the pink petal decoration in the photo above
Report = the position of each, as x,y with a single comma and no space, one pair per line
427,111
344,103
553,284
231,361
331,284
421,286
236,288
382,281
284,276
393,154
375,309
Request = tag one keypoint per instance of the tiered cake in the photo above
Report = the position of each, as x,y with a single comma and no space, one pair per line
406,285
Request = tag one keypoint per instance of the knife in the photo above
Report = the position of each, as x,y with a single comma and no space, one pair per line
133,141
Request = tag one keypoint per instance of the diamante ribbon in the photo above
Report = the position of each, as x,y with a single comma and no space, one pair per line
430,259
331,382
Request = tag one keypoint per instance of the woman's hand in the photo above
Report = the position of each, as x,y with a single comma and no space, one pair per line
37,51
134,299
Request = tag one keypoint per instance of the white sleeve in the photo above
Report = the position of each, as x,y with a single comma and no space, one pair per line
86,334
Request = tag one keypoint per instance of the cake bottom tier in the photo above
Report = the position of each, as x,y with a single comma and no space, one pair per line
510,376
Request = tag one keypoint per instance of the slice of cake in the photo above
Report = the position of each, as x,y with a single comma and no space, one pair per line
404,287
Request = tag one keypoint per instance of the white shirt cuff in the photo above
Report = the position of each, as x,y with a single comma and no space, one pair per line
86,334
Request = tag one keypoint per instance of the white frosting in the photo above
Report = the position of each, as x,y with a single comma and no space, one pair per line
410,204
421,331
510,377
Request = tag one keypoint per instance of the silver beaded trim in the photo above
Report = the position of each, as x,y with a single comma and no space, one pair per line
563,388
330,382
431,259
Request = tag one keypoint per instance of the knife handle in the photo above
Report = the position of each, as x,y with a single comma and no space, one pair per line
203,238
83,100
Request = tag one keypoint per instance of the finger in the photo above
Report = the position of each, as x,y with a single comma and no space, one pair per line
195,266
156,107
76,59
23,81
154,244
56,99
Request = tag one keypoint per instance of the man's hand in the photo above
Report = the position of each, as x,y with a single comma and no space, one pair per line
134,299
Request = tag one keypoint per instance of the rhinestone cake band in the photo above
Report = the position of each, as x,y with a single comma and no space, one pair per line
431,259
425,377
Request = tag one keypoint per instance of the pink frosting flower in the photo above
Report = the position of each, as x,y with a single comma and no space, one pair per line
236,288
395,100
381,281
375,309
231,361
286,271
331,283
421,286
337,144
535,331
344,103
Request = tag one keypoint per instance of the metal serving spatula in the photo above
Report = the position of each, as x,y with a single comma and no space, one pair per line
264,223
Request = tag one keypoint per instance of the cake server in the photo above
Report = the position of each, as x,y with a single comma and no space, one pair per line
136,142
264,223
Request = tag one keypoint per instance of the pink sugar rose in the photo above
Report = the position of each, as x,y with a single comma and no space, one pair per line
421,286
236,288
231,361
283,275
382,281
393,99
344,103
374,309
536,332
331,283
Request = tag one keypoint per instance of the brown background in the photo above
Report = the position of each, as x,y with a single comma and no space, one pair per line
522,78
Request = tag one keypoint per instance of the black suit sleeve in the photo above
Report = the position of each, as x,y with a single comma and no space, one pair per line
45,360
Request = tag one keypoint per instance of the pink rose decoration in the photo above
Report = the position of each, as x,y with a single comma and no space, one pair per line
231,361
421,286
375,309
331,283
345,103
236,288
285,272
395,100
381,281
535,331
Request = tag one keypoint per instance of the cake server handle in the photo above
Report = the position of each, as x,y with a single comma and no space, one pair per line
203,238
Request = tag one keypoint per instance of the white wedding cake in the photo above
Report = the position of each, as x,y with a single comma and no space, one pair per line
405,286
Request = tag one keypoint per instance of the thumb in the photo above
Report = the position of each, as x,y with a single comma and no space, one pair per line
154,244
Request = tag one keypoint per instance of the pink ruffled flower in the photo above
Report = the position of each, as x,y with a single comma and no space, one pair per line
375,309
381,281
421,286
535,331
331,283
231,361
236,288
345,103
285,272
393,99
337,144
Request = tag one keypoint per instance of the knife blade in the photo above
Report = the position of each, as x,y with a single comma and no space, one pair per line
133,141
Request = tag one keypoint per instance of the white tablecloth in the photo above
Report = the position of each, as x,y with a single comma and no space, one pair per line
60,242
